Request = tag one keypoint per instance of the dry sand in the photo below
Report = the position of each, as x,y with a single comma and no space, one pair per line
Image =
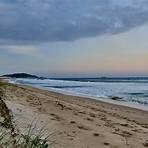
77,122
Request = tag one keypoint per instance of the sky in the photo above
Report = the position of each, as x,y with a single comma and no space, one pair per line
74,38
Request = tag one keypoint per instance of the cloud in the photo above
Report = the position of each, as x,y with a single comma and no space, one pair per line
25,21
20,49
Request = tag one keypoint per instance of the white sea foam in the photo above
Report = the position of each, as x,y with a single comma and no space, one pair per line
133,92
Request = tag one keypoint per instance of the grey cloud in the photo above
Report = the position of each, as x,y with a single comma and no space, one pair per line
66,20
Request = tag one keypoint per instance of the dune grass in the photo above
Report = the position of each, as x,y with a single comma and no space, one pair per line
10,137
18,140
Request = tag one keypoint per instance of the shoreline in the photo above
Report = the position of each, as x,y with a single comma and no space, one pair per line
104,100
78,122
93,98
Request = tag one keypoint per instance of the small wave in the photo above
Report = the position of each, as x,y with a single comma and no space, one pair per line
62,87
136,92
140,102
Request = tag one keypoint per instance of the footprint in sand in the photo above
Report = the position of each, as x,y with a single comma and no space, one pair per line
82,127
96,134
145,144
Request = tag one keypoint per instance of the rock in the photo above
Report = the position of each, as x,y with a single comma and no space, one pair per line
116,98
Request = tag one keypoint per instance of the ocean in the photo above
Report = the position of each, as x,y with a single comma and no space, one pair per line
133,90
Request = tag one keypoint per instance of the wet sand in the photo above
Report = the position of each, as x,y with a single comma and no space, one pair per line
78,122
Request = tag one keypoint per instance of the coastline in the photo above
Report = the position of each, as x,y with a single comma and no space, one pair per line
123,102
93,98
101,99
79,121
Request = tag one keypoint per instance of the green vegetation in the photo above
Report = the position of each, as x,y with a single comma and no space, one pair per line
6,114
28,140
7,140
10,137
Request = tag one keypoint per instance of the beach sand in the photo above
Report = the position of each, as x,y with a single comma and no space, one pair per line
77,122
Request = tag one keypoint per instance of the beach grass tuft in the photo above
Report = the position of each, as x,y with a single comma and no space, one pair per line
10,137
7,140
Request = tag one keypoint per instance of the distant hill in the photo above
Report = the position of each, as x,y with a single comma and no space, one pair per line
22,75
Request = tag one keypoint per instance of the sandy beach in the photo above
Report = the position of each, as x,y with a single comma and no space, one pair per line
77,122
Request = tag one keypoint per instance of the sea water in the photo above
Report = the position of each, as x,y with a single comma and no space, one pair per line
131,90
